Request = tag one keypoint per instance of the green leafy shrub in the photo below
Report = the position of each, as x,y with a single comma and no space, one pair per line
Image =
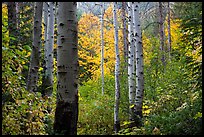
96,110
28,115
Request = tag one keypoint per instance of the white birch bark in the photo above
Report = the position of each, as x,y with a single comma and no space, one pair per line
139,63
125,46
131,82
35,54
117,67
45,19
66,114
102,47
48,81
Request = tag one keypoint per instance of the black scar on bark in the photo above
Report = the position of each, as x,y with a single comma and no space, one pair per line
117,126
66,116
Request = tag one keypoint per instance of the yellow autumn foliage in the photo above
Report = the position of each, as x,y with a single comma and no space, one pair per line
175,33
90,43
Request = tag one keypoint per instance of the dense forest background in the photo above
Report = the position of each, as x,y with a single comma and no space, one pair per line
172,102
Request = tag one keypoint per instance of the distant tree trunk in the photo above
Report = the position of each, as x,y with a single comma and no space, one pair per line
139,65
18,7
125,46
131,82
161,33
48,79
12,22
66,115
45,20
169,30
117,67
35,55
102,47
45,14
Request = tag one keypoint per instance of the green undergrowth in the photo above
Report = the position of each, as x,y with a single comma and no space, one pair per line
96,110
171,105
29,114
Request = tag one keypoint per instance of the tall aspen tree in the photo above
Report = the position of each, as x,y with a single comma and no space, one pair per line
66,114
36,47
125,46
117,67
139,64
12,20
161,33
48,79
45,20
131,82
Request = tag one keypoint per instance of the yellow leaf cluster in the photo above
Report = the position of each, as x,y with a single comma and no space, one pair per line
4,11
146,48
175,33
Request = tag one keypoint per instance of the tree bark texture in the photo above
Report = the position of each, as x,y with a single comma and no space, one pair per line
117,67
12,22
66,115
45,19
45,15
131,82
48,57
161,33
35,55
139,64
125,46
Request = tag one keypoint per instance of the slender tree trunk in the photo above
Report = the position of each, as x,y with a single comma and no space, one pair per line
35,55
134,48
12,22
45,20
161,33
117,67
45,14
125,46
18,34
131,82
139,65
169,30
66,115
48,80
18,5
102,48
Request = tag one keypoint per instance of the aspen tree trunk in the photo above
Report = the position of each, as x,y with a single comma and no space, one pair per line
134,49
125,46
66,115
12,22
45,14
45,20
161,33
169,30
131,82
17,15
117,67
18,20
139,65
35,55
48,80
102,48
